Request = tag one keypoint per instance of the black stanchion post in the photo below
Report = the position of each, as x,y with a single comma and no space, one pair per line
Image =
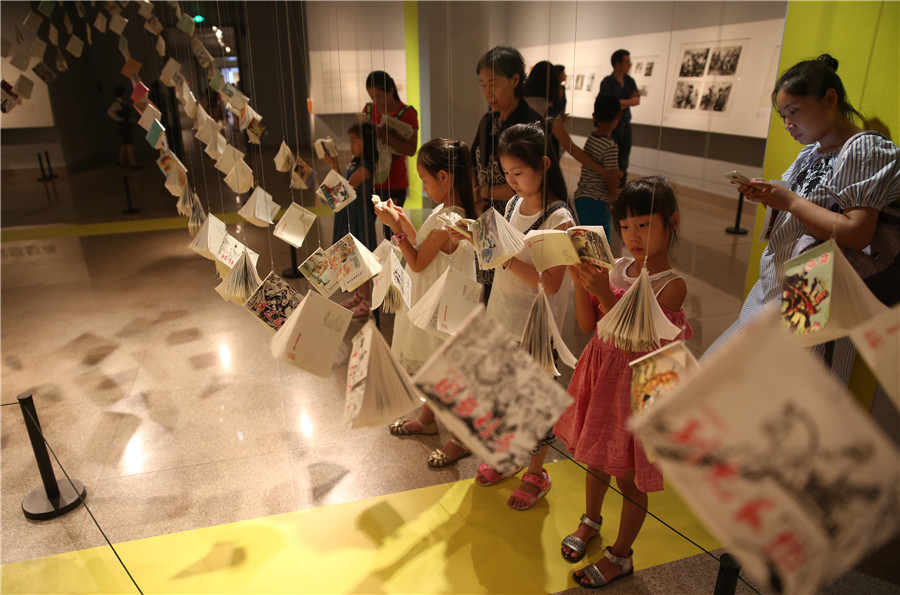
726,581
737,229
292,272
130,210
55,498
50,174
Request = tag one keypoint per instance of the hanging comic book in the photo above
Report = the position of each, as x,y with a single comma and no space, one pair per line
824,298
495,239
878,342
541,336
273,301
230,156
230,250
240,178
310,337
637,323
448,302
777,460
353,264
490,394
302,175
185,204
378,387
284,159
260,209
319,273
656,374
209,238
241,281
294,225
392,286
198,218
581,244
336,191
325,146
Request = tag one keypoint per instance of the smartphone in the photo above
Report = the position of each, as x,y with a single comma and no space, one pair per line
738,177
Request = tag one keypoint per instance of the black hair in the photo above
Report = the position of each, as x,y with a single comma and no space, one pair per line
813,78
529,144
366,132
119,90
455,158
543,81
618,56
382,81
646,196
606,108
506,61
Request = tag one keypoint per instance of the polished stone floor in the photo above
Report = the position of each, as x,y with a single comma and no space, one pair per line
164,400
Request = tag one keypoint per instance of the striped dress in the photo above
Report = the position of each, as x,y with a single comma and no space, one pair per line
865,172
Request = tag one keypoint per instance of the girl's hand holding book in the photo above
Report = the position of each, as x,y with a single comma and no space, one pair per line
594,280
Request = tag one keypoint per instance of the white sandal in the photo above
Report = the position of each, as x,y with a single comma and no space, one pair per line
596,577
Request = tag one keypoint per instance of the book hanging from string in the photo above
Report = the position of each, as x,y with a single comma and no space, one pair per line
230,156
581,244
284,159
495,398
824,298
319,274
495,239
392,286
310,337
637,323
241,281
453,221
777,460
325,146
378,387
302,175
273,301
240,178
353,264
230,250
210,236
294,225
198,218
186,200
878,342
447,304
336,191
656,374
217,147
260,209
541,336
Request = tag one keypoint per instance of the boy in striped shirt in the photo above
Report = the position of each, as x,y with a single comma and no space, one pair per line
593,195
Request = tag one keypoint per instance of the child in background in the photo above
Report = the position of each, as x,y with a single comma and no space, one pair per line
593,194
595,426
445,167
539,203
358,217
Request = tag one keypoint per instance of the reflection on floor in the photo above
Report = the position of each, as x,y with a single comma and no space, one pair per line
163,399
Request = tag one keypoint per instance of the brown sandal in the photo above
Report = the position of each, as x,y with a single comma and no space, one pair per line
438,458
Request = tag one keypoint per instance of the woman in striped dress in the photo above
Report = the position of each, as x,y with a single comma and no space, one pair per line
845,182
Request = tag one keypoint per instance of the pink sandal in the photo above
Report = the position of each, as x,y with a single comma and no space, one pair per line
542,483
491,476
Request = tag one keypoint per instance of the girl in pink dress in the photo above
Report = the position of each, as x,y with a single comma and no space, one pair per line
595,427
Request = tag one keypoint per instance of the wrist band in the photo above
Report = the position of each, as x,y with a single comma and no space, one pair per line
398,238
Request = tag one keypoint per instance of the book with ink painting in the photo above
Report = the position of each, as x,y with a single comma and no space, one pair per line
319,274
311,336
336,191
378,387
823,297
777,460
554,247
495,239
489,393
352,263
273,301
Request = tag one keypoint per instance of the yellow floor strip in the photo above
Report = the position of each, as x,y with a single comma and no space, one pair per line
451,538
44,232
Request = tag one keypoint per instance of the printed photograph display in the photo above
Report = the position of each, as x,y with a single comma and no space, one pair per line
706,76
686,95
693,62
724,61
715,97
